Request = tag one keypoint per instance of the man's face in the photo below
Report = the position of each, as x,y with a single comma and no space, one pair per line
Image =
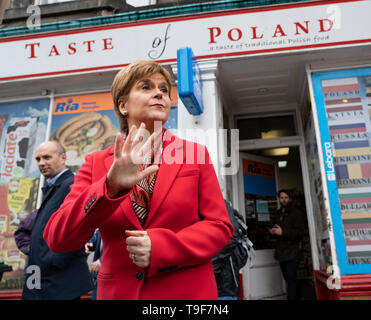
284,199
49,161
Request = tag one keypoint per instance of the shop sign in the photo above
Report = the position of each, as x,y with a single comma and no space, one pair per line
259,178
189,81
211,35
77,104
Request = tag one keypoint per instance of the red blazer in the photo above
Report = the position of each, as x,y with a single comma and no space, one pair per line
187,223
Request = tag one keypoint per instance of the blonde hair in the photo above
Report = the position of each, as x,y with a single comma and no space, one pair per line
127,77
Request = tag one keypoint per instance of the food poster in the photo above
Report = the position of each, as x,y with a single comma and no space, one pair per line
344,99
83,124
22,127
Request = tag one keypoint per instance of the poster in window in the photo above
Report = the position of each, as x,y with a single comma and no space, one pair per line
83,124
343,99
22,127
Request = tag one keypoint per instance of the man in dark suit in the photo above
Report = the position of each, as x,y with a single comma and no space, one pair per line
289,228
61,275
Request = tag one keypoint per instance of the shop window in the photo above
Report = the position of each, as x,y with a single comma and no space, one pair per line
266,128
23,126
343,101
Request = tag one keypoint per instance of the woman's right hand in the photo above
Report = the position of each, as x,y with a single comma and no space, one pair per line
124,172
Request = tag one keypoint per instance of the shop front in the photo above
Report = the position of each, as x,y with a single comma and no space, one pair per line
279,75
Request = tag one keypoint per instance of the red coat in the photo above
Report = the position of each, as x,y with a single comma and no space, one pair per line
187,223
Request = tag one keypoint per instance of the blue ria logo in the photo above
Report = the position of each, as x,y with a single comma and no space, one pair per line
69,106
330,169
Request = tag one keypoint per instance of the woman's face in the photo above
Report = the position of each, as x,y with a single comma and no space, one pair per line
148,101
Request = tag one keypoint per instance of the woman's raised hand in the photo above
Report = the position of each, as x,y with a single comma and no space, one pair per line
124,172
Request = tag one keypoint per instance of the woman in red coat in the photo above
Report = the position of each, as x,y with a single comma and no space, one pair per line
154,197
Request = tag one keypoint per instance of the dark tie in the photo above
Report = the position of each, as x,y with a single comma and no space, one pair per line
46,189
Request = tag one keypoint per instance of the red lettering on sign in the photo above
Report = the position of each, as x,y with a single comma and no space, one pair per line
72,48
89,42
213,35
299,25
54,51
279,30
239,34
254,33
107,42
322,25
32,46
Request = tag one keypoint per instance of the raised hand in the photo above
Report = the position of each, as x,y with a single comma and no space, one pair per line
125,172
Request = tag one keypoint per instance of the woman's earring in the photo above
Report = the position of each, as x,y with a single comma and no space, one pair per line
125,113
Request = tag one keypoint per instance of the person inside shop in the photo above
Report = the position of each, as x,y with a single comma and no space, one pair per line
61,276
288,227
159,209
95,244
228,262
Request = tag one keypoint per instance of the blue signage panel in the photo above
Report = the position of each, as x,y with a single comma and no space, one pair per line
189,81
259,185
343,109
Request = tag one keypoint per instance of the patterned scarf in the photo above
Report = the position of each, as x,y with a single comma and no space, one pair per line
141,193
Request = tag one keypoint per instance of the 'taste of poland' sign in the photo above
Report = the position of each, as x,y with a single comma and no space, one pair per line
229,33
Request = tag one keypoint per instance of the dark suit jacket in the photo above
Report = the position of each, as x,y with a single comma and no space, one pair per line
63,275
96,240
